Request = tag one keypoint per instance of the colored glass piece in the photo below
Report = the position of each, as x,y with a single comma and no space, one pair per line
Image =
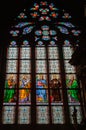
63,29
27,30
22,15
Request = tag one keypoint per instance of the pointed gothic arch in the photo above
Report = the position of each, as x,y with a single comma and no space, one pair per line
41,87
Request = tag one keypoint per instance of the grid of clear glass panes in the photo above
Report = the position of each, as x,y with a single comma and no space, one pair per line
72,85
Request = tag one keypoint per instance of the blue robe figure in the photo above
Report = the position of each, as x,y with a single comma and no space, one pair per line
41,91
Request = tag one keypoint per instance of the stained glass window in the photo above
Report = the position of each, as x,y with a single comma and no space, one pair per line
38,69
72,84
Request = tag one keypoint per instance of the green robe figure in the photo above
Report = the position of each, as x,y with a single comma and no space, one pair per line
9,95
72,84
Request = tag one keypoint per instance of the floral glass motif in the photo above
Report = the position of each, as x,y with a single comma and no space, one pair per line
25,43
27,30
42,115
54,66
25,66
57,115
63,29
40,53
12,53
22,24
66,43
41,66
45,34
25,52
8,115
22,15
67,24
76,32
11,66
14,33
23,117
68,51
53,53
66,16
42,12
13,43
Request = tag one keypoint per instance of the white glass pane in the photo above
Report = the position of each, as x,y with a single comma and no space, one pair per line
24,115
25,66
42,115
53,53
8,115
67,52
57,115
12,53
41,66
11,66
54,66
68,67
25,53
40,53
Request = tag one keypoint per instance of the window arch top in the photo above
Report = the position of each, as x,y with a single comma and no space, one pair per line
42,15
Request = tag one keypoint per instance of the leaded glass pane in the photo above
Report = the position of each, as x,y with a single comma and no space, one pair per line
11,66
67,52
11,81
78,114
8,115
41,96
10,96
25,89
73,95
53,53
69,68
72,88
41,89
24,96
24,115
55,88
40,53
42,115
25,66
12,53
57,115
25,53
54,66
41,66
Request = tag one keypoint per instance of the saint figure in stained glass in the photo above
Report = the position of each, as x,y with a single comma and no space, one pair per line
41,84
24,94
55,85
10,84
72,84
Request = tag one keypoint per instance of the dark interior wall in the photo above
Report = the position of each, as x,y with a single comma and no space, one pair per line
39,127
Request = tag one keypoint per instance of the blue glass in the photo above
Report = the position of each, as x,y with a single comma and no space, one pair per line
45,27
27,30
63,29
22,24
14,33
52,32
68,24
38,32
